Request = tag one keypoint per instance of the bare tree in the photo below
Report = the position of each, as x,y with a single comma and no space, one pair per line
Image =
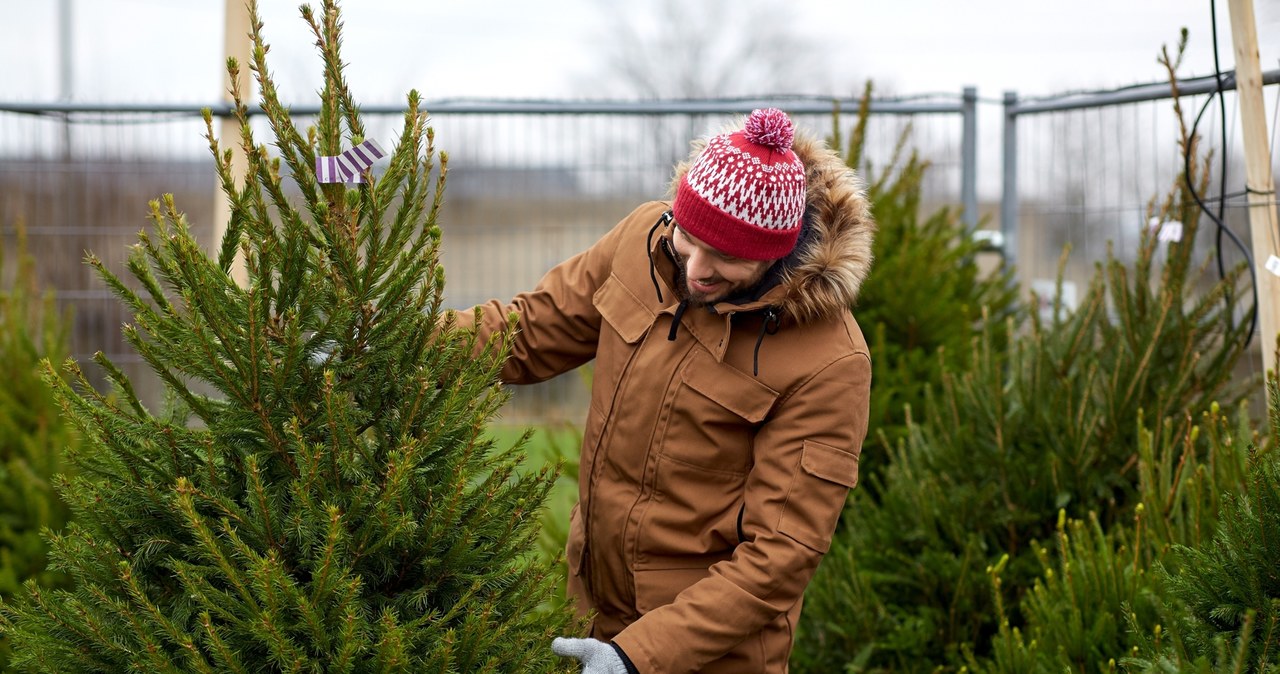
685,49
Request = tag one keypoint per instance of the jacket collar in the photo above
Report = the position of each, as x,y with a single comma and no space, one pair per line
770,292
714,333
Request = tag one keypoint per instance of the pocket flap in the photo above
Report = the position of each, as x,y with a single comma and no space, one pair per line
830,464
734,390
622,310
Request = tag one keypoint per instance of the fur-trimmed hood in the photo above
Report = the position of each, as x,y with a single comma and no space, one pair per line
822,276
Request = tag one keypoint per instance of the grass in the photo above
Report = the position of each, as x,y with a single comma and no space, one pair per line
550,445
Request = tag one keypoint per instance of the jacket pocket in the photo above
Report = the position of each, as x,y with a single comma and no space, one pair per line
575,551
622,310
693,514
817,496
659,587
625,322
575,546
715,414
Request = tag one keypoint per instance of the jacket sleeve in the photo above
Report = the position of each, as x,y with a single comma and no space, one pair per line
558,326
806,460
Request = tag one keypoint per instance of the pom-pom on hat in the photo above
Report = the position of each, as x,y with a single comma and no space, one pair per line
745,193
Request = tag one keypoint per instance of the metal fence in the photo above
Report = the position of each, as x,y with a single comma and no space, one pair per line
530,184
1089,170
533,182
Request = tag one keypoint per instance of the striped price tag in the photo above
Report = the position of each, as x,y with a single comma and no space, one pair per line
349,166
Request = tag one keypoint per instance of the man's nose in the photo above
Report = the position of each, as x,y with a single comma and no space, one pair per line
699,266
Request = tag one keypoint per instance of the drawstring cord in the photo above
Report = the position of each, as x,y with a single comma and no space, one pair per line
653,270
769,326
675,320
664,220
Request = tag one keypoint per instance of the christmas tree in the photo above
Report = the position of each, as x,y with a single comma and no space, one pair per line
1027,429
32,435
1101,600
318,495
1223,608
926,299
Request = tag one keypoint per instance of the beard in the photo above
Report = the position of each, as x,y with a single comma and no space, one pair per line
724,289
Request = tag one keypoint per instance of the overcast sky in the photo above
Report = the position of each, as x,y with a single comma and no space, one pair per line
170,50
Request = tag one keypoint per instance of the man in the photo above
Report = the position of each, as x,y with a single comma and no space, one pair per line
728,405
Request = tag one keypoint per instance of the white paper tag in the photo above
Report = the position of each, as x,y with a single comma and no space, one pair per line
1273,265
1170,231
1166,231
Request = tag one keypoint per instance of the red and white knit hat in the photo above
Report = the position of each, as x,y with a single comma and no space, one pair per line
745,193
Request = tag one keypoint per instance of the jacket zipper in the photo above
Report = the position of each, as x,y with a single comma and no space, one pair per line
588,575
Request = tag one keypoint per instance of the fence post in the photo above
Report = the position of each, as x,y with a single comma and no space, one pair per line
1009,188
66,71
1258,181
236,44
969,158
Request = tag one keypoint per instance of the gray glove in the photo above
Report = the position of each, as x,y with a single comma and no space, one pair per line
597,657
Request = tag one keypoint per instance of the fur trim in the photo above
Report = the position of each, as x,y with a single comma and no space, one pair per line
824,274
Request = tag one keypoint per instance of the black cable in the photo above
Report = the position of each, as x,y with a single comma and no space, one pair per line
1221,115
1217,220
1200,201
1195,124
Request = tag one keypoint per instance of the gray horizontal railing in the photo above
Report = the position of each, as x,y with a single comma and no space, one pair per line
559,171
517,107
1015,108
1135,94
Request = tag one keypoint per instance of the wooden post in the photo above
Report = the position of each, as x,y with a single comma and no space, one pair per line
1258,181
236,44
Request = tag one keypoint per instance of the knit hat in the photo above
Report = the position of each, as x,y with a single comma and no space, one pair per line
745,193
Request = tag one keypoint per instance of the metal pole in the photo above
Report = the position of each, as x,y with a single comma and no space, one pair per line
1258,182
66,72
969,158
1009,192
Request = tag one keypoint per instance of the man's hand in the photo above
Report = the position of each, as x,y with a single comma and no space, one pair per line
597,657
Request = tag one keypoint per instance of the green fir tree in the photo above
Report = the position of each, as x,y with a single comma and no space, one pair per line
1014,436
1103,601
32,434
926,299
319,497
1100,596
1222,612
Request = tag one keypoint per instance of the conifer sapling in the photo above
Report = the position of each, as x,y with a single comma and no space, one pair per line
317,497
32,435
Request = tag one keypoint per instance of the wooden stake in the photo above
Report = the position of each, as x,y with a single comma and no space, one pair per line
236,44
1258,181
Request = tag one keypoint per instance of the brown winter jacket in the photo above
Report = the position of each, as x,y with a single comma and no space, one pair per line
720,443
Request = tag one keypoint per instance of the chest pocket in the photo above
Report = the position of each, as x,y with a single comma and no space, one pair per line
626,321
715,414
622,310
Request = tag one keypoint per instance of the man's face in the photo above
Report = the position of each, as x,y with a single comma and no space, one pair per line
707,275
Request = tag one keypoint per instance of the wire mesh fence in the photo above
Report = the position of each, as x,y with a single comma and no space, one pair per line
532,183
1093,170
529,186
